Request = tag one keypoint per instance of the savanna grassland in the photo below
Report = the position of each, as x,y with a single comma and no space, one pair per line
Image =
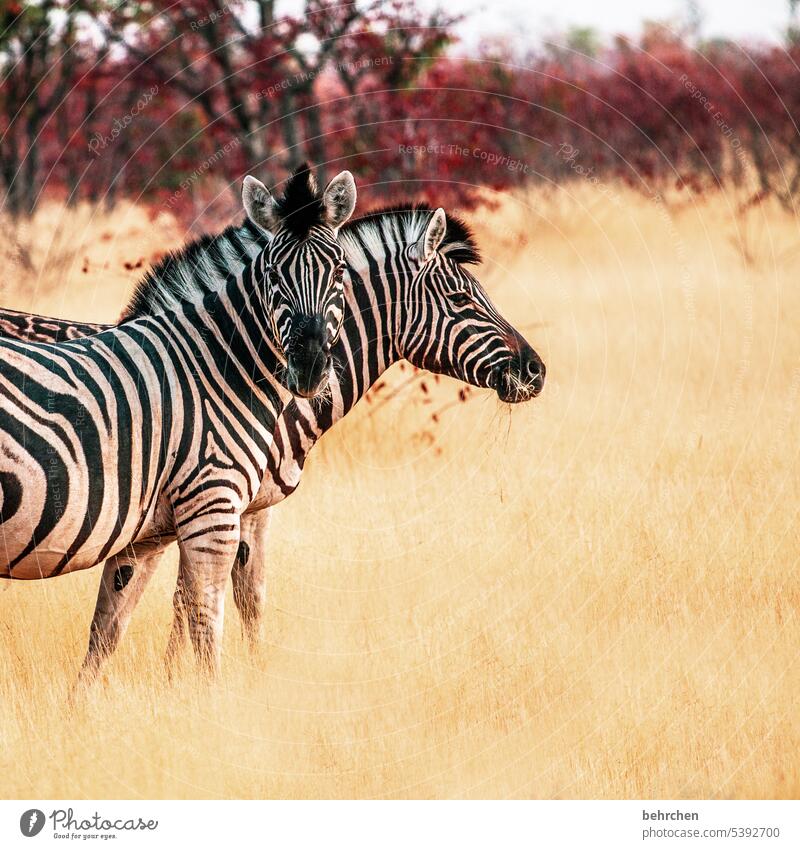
592,595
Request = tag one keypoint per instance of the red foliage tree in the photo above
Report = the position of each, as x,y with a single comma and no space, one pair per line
174,102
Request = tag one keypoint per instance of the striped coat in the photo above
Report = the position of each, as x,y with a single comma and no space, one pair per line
161,426
406,267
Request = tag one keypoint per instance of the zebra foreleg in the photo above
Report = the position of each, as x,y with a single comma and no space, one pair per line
249,575
207,558
121,586
249,578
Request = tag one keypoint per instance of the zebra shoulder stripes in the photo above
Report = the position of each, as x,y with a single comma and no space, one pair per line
163,423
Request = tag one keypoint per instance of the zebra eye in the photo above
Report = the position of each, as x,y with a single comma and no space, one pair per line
460,299
338,274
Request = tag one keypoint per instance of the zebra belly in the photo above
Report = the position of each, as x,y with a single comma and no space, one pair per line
53,518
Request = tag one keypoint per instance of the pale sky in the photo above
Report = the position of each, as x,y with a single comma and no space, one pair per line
533,20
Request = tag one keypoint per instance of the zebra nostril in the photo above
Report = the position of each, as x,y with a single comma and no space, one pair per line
531,369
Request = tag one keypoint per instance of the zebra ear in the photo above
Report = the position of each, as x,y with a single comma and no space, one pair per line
433,235
339,200
259,204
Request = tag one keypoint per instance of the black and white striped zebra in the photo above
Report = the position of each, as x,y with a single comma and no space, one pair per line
162,424
409,294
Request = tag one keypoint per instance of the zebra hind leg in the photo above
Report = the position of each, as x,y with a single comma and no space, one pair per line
179,631
121,586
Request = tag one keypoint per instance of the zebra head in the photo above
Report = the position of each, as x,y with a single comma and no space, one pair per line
303,268
452,327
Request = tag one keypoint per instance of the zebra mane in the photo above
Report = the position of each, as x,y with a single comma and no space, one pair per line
204,265
201,266
405,223
300,207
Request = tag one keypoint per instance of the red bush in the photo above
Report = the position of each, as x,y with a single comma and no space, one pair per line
174,106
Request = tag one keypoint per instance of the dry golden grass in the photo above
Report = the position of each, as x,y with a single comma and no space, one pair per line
595,595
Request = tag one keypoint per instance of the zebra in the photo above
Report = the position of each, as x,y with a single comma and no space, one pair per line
410,295
161,425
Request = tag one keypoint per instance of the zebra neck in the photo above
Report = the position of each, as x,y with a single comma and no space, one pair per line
368,344
240,324
226,332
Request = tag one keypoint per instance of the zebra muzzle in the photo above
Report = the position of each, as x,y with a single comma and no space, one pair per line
520,378
306,380
308,359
